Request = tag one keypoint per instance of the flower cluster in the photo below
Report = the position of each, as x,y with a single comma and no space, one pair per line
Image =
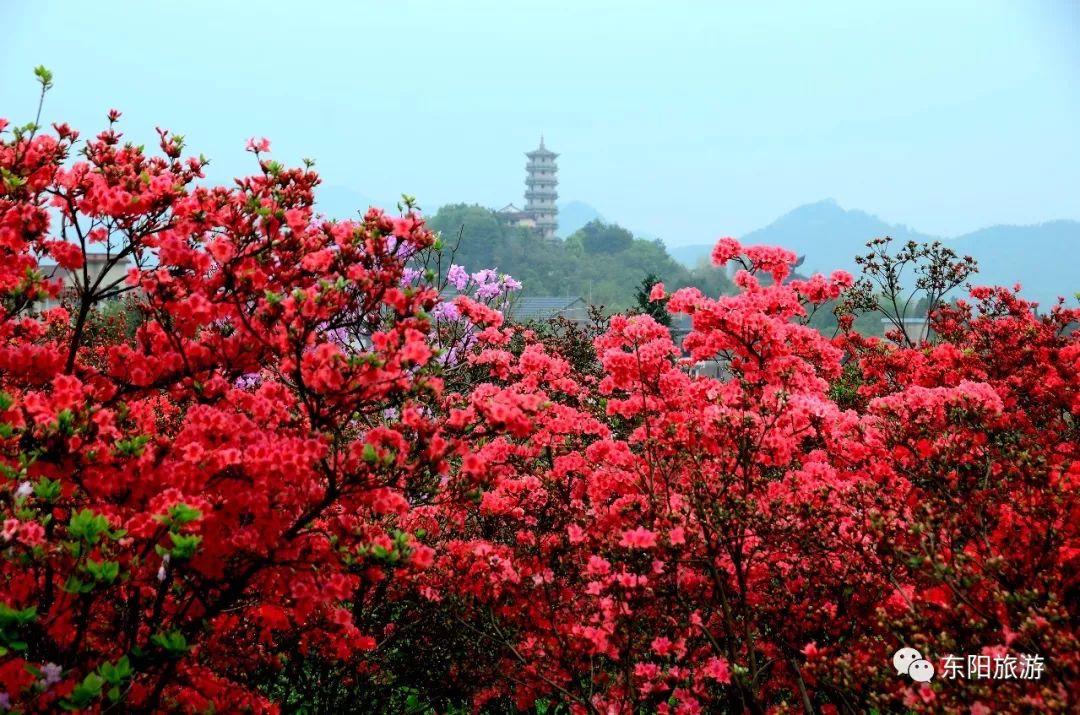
656,541
277,462
218,483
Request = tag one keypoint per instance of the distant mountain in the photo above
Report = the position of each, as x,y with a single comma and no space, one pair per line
1042,258
341,202
575,214
828,235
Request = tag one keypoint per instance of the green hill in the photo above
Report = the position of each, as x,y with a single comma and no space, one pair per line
603,263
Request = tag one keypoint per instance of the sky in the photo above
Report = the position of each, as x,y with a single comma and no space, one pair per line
680,120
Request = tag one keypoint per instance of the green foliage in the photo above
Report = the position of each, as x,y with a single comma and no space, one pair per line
115,675
103,571
179,515
85,529
87,526
84,693
90,689
172,643
600,237
12,623
601,263
845,389
45,77
823,319
65,422
132,447
184,545
47,489
657,309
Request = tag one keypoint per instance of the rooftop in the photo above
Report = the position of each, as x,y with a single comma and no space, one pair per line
541,307
541,151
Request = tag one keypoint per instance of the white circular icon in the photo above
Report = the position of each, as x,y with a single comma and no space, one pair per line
921,671
903,658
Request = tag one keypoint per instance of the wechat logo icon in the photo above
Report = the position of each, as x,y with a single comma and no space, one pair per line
910,662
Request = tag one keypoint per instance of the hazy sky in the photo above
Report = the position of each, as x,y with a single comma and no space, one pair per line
685,120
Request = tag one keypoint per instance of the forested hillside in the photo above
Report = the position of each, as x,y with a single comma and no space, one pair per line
603,263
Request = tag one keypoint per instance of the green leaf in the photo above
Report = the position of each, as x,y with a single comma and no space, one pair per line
84,693
115,674
173,642
87,526
123,667
74,584
12,181
45,77
11,616
184,545
47,489
105,571
65,422
131,447
179,515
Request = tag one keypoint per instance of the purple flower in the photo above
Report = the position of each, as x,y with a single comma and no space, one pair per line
450,357
509,284
53,674
247,381
5,701
487,291
338,336
409,276
446,311
457,277
488,275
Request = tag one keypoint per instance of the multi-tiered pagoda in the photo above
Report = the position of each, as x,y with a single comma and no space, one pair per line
540,191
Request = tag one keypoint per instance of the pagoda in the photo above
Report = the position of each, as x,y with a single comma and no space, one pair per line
540,194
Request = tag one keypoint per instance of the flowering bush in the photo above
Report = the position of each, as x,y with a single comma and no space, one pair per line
218,493
289,473
655,541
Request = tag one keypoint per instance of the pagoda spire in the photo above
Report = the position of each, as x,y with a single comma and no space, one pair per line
540,191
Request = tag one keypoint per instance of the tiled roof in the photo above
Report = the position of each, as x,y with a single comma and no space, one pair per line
539,307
